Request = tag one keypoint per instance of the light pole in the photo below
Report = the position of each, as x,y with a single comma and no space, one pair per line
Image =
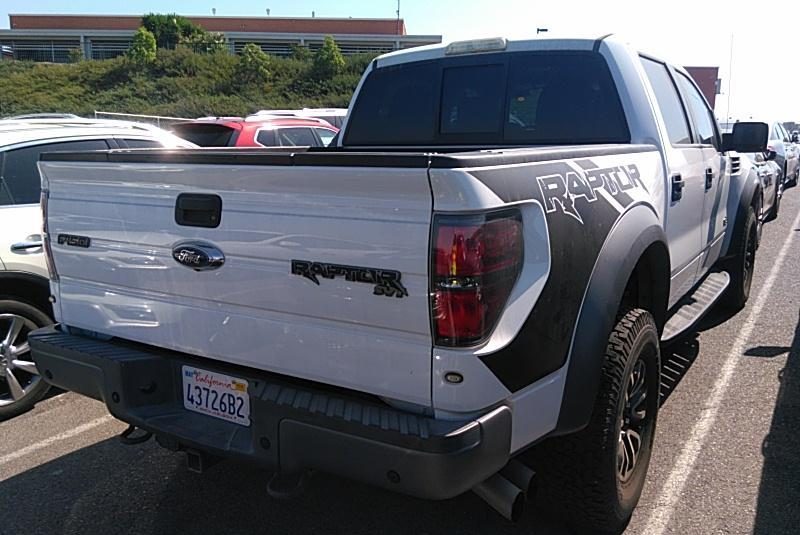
540,30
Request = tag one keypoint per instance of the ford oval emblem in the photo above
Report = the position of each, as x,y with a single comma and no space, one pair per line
198,256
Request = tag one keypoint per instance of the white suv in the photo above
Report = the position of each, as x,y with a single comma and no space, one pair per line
24,287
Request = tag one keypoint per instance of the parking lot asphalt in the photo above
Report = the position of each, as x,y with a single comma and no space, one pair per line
726,460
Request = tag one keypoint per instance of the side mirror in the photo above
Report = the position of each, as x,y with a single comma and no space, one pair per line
770,154
747,137
795,138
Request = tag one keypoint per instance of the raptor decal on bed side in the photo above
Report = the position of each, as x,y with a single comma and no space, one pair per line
582,202
560,191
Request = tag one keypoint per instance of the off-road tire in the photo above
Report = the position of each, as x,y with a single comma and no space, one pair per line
578,473
740,266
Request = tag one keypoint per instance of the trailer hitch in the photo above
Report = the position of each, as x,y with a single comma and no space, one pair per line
127,438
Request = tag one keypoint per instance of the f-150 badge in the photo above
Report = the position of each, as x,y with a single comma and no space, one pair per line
386,281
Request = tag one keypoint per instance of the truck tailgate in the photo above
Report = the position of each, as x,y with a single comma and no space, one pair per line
325,322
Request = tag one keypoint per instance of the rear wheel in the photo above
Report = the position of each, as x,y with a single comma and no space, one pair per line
20,384
594,478
741,265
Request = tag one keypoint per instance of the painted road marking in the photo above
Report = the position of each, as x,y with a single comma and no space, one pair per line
5,459
673,488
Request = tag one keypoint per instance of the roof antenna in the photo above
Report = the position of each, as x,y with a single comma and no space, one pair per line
398,17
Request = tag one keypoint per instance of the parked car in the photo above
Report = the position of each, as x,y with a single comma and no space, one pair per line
24,290
256,131
787,154
408,308
769,173
334,116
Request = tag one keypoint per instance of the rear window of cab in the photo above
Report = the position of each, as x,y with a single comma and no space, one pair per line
490,99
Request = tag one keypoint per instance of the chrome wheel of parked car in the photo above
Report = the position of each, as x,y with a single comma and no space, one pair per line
21,386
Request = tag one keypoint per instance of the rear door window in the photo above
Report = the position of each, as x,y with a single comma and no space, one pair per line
20,176
507,99
296,137
669,102
266,138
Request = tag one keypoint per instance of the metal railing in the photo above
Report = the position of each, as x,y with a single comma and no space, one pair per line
157,120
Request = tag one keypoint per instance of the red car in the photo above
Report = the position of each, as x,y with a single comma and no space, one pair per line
256,131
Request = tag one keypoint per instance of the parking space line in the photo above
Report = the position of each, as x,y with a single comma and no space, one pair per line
673,488
5,459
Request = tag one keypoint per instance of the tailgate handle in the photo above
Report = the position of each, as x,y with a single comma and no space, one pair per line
198,210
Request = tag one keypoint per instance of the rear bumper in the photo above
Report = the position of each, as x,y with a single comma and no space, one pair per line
295,425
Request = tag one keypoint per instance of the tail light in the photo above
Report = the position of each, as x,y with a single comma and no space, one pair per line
48,252
476,260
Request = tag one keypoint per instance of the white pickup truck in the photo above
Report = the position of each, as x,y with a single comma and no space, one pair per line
488,258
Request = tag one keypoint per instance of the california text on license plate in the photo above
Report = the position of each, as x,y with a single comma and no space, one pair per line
217,395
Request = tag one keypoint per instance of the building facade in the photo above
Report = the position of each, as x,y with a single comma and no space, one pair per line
59,38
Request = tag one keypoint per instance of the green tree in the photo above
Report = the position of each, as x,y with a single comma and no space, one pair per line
74,55
254,65
328,60
143,47
169,29
205,42
301,53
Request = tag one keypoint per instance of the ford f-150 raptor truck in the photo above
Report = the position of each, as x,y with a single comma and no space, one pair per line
484,263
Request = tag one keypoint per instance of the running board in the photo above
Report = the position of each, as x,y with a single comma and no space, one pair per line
695,305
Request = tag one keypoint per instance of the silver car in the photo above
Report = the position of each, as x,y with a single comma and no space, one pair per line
787,154
769,173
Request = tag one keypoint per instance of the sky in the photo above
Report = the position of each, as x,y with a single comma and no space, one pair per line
764,82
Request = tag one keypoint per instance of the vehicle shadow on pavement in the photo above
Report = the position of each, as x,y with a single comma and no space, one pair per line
111,488
676,359
779,492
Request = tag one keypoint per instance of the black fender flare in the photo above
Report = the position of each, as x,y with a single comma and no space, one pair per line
636,231
751,189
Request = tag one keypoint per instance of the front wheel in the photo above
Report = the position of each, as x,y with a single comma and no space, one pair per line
594,478
20,384
741,265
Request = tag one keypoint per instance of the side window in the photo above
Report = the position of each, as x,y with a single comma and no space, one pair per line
143,144
20,174
296,137
325,135
668,101
266,138
701,115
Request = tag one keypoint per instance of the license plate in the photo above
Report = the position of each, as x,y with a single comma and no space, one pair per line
217,395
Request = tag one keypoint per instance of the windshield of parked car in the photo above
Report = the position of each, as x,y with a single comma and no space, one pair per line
509,99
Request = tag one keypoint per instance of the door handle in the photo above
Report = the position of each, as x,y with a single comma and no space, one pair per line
198,210
26,247
677,187
709,178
